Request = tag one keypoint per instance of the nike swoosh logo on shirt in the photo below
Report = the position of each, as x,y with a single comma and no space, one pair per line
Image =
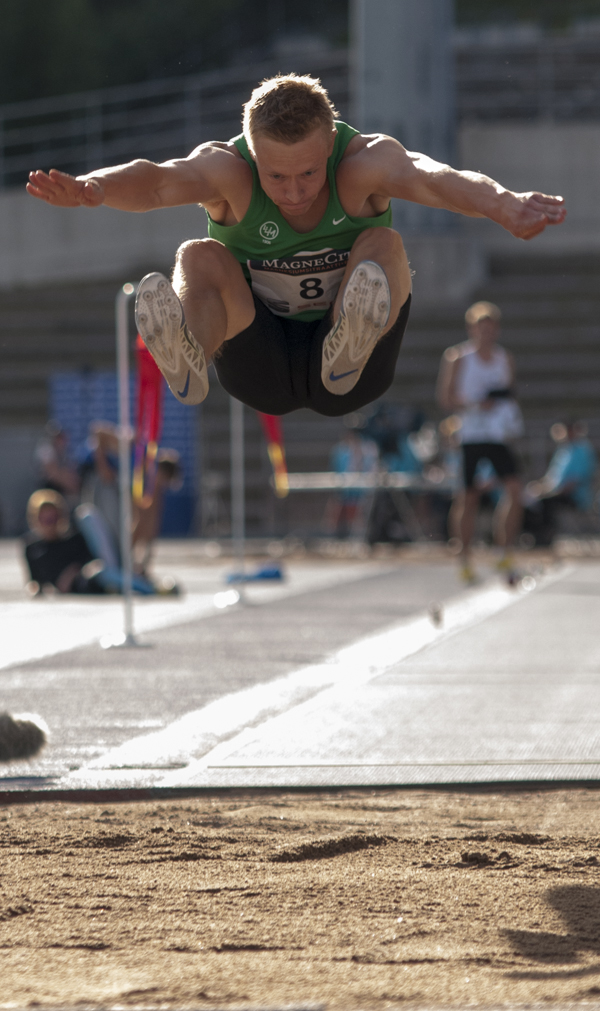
184,392
340,220
342,375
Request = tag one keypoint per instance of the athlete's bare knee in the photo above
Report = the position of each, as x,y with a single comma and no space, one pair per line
204,258
188,249
200,252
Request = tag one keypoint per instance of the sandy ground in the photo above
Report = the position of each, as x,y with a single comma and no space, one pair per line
358,899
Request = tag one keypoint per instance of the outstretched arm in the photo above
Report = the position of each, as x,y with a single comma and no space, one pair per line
139,185
415,177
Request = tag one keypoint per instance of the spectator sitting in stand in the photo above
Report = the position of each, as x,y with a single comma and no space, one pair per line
57,469
71,561
98,516
401,436
56,555
567,482
100,484
356,454
389,426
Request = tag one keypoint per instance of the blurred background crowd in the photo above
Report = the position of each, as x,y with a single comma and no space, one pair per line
509,87
73,544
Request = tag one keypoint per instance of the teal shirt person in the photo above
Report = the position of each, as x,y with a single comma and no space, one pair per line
572,468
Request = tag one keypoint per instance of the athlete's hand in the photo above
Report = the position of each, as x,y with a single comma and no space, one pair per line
528,214
63,190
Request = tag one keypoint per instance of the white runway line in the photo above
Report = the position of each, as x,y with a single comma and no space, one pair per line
34,629
213,731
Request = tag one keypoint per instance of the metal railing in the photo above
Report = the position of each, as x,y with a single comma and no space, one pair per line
545,77
542,77
156,119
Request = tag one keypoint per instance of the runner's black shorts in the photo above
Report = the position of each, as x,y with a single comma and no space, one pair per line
502,459
274,365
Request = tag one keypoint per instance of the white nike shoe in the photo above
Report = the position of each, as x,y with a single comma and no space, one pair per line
364,313
160,321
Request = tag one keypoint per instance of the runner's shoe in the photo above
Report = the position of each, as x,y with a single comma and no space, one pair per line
160,321
364,313
468,575
507,568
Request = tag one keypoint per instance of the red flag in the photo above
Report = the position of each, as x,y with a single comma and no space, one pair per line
150,390
274,435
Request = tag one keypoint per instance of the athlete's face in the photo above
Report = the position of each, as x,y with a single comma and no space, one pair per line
293,175
485,332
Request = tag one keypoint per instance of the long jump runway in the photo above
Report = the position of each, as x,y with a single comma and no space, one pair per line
502,686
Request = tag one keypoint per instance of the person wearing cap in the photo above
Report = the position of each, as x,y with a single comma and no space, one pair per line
476,382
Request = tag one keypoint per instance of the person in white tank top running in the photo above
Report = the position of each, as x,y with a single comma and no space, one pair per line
476,381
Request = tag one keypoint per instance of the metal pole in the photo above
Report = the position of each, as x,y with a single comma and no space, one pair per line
238,507
125,457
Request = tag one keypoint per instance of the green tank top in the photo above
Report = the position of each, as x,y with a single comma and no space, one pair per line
297,275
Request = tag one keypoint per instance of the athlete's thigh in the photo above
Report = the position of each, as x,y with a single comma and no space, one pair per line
376,379
206,266
254,366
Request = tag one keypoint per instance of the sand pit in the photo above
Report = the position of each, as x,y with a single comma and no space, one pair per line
350,900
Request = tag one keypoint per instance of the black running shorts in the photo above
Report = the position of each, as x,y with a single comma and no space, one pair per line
274,365
502,459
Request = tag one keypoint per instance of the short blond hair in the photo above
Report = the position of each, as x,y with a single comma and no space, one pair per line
287,108
482,310
44,497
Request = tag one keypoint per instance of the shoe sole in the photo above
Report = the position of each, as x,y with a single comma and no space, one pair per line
364,313
160,322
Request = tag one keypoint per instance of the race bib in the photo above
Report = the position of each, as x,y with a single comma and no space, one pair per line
289,285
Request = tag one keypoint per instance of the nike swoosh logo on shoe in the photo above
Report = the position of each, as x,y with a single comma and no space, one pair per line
340,220
184,392
342,375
